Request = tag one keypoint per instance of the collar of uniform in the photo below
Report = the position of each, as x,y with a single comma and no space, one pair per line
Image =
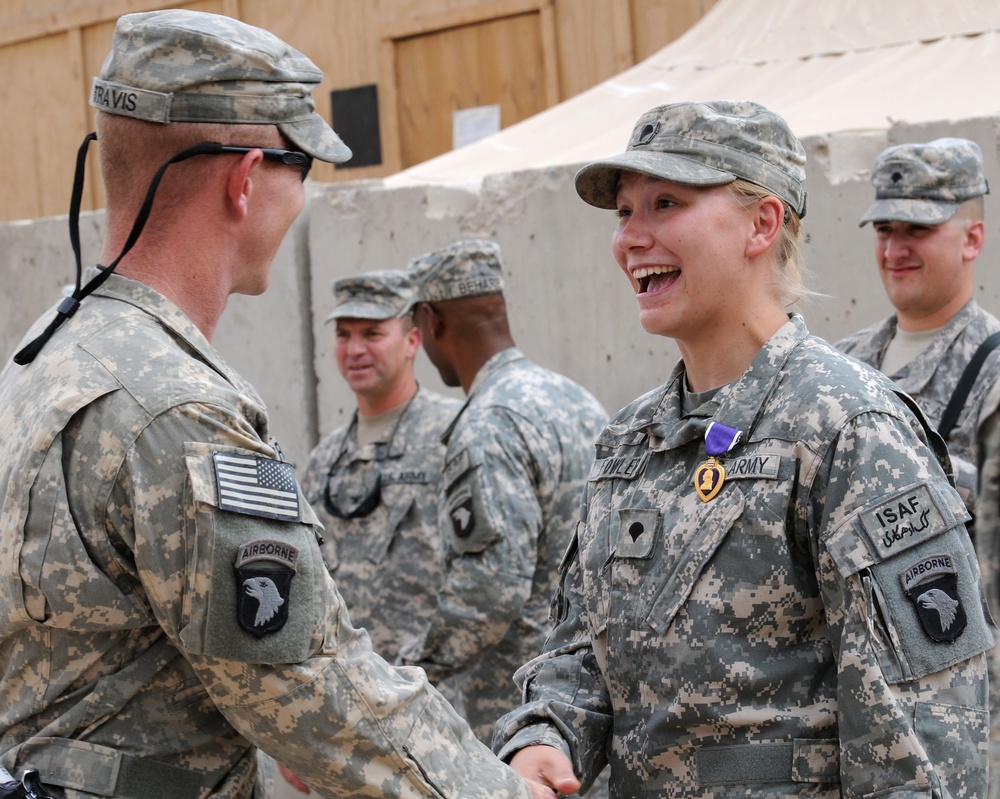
918,373
149,300
494,365
740,402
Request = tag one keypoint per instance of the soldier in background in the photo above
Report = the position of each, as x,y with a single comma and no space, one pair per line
373,482
165,607
517,458
929,231
772,592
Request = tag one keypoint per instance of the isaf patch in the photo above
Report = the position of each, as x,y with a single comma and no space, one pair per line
256,486
931,584
460,511
904,521
263,591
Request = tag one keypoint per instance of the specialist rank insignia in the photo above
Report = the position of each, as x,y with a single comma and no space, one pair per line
263,590
709,477
932,586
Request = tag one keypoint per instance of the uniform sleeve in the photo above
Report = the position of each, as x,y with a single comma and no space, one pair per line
226,550
903,602
491,519
988,546
566,703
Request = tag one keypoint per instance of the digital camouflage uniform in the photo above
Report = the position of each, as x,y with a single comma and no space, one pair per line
387,565
924,183
156,624
988,549
932,376
814,629
387,562
164,606
515,469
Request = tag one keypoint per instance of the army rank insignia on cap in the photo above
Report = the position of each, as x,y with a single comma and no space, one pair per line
932,586
262,591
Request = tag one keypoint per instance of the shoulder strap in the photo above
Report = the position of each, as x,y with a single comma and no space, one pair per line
965,383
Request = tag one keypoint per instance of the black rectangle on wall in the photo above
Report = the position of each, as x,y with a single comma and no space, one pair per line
355,118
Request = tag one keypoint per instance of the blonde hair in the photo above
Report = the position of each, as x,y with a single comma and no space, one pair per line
789,267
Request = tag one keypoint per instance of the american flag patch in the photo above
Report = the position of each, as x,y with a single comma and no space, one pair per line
256,486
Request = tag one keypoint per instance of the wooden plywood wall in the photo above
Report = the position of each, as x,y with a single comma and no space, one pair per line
427,58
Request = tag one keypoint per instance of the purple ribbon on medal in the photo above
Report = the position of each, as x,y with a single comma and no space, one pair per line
719,439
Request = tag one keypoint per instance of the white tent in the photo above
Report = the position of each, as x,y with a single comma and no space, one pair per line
827,66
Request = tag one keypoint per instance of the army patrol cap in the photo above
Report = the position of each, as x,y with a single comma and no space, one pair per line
384,294
925,183
464,268
190,66
705,144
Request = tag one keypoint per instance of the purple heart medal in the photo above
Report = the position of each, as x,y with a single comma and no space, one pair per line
709,477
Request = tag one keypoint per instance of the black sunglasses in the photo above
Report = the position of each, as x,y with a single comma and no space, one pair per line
366,505
290,157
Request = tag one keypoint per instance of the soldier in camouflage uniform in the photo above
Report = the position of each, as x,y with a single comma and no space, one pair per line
928,221
771,593
517,459
373,482
165,607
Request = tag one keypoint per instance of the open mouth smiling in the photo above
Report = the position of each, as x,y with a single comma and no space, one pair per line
654,278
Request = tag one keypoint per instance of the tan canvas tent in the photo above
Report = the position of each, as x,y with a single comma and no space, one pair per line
826,65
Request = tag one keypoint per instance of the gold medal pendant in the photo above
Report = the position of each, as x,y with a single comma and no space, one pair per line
708,479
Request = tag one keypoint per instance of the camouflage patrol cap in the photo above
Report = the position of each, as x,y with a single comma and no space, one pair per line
464,268
189,66
383,294
705,144
925,183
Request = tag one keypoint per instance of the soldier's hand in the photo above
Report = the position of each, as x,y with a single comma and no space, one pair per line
292,780
546,770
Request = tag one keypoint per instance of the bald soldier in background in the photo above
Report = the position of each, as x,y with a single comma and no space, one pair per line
517,460
165,608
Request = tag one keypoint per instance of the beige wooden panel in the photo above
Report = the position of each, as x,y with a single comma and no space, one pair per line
594,42
40,115
340,37
656,23
499,62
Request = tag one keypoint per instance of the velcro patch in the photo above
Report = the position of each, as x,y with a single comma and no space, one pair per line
263,594
752,466
460,511
256,486
455,468
932,586
621,468
903,521
636,532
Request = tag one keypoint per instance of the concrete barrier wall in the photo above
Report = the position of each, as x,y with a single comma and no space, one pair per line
570,308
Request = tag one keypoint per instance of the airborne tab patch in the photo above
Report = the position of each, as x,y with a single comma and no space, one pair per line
932,586
262,592
256,486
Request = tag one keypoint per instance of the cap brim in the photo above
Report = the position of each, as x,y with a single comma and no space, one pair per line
597,183
362,310
313,136
917,212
